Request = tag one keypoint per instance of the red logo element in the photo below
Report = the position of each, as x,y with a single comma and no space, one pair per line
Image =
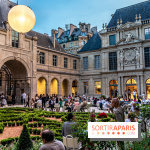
118,133
123,133
103,133
108,133
113,133
97,132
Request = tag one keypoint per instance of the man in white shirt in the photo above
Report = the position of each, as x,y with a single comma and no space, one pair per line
134,94
24,97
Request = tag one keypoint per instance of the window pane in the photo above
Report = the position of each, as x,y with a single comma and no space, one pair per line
15,39
147,56
85,63
113,61
86,87
97,62
147,33
112,40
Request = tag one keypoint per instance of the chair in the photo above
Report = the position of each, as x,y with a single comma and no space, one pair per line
77,108
70,142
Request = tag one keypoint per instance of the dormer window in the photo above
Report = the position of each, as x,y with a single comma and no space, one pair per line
83,33
68,32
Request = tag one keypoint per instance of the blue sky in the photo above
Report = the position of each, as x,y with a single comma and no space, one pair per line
51,14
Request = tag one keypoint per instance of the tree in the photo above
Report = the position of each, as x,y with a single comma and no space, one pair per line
25,142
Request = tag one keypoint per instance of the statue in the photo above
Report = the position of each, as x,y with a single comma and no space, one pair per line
121,56
137,56
128,38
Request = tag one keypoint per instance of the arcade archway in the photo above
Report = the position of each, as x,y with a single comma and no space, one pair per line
113,89
130,87
54,87
74,88
14,79
41,86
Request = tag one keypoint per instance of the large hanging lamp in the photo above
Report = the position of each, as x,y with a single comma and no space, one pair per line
21,18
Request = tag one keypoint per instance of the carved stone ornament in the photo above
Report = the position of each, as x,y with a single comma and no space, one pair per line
121,56
130,57
128,25
129,37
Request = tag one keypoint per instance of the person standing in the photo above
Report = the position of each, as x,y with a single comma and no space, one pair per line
24,97
119,117
129,94
116,93
125,94
143,98
13,98
43,101
134,94
100,104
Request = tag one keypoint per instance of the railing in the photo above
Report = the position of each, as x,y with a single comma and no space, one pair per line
146,21
111,29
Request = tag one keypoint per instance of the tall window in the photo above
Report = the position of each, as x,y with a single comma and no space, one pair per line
147,33
113,61
42,58
97,62
98,87
112,40
65,62
54,60
147,56
15,39
85,63
86,87
74,64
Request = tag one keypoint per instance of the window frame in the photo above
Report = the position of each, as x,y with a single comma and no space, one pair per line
65,62
112,41
75,64
15,39
96,87
147,34
113,66
55,60
97,62
42,58
147,57
85,63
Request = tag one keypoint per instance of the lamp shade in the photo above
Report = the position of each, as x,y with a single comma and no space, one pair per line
21,18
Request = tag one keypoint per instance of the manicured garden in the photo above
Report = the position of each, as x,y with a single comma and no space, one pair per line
36,120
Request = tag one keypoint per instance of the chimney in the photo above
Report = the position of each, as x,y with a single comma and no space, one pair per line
72,27
88,27
60,31
53,32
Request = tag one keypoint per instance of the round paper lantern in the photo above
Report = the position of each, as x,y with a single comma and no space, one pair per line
21,18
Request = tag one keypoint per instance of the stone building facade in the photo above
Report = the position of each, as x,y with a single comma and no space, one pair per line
121,60
34,63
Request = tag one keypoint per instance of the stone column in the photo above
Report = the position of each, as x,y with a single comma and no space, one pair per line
70,88
141,57
142,84
117,37
48,85
60,88
137,35
138,85
122,85
119,87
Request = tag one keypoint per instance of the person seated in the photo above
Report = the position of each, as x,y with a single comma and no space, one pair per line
49,142
133,107
4,102
9,99
107,105
92,117
67,128
131,118
83,106
68,106
76,103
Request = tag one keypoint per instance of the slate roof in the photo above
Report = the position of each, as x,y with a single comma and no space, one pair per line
128,14
43,40
93,44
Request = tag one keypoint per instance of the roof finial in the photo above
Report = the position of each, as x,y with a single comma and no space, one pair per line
139,17
121,21
118,21
103,26
136,18
17,2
